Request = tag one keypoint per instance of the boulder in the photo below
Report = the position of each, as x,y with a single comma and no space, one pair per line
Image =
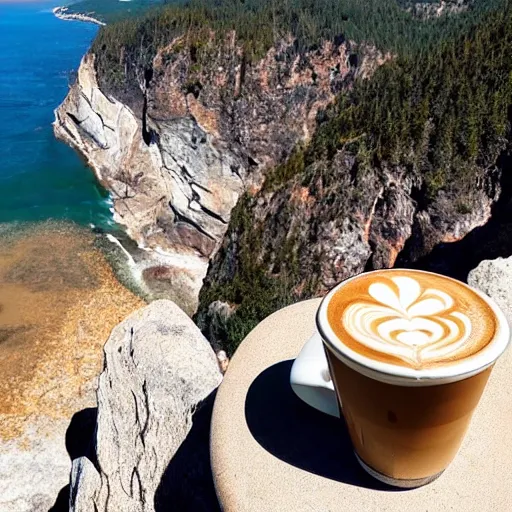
154,403
494,277
34,468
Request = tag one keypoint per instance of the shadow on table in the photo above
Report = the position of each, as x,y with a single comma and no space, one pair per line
300,435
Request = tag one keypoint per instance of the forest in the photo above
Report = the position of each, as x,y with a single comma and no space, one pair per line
131,44
443,115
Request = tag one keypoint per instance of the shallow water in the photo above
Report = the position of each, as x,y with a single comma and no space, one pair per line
59,300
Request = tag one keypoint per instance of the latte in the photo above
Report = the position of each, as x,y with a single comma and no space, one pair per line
411,318
409,355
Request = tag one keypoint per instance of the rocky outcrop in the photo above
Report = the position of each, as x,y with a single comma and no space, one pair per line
376,218
298,239
179,145
33,471
494,277
151,441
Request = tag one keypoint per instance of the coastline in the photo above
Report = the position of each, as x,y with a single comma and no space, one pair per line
61,13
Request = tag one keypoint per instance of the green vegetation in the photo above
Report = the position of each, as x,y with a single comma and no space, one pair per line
256,294
127,47
443,115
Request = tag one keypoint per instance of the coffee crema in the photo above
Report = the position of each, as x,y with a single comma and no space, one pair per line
411,318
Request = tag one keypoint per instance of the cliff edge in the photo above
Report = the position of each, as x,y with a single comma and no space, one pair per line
189,138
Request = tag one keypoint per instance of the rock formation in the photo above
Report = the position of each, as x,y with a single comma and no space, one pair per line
150,450
178,149
494,277
291,242
370,191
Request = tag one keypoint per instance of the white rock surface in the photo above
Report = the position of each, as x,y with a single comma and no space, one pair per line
174,196
494,277
158,368
34,469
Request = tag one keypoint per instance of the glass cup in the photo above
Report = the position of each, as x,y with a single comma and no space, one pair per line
406,425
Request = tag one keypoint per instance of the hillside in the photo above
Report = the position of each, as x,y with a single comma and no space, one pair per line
347,132
399,164
125,50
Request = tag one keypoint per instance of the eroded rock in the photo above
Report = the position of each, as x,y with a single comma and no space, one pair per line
177,166
159,369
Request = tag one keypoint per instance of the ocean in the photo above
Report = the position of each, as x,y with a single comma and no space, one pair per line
59,294
40,177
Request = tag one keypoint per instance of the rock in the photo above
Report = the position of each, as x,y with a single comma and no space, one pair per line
63,14
34,468
223,360
176,159
86,482
425,10
291,242
158,371
494,277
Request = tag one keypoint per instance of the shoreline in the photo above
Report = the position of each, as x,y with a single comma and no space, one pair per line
61,13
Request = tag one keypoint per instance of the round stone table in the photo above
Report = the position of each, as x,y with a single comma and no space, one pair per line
270,452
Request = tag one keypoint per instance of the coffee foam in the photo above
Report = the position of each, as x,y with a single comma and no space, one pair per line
411,319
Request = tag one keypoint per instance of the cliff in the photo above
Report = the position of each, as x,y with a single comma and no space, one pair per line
189,138
299,241
411,159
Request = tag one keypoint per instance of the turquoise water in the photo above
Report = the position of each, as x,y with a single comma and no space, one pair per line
40,177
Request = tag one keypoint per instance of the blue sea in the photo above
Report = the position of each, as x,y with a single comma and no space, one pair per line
40,177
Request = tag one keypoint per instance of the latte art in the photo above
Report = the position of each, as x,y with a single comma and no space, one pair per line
410,318
407,322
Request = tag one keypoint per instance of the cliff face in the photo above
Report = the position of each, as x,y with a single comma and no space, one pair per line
191,138
335,220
